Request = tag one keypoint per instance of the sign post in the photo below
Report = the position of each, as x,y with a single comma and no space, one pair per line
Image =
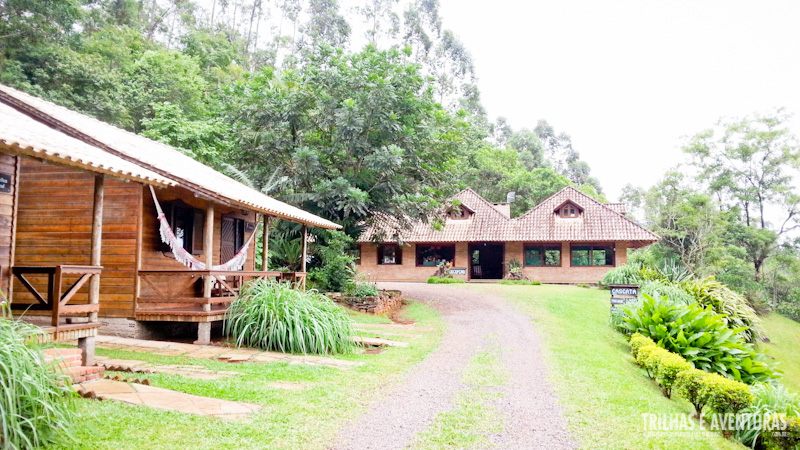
621,295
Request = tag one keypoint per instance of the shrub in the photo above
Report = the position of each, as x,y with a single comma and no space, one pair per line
769,400
646,357
786,438
667,367
638,341
583,285
440,280
338,265
701,336
627,274
35,408
273,316
660,288
790,310
725,396
688,385
363,289
520,282
739,313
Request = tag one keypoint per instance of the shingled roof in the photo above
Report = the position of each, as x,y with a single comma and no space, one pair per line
598,222
105,145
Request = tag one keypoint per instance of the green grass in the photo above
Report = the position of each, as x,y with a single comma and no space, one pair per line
519,282
475,415
603,392
442,280
784,346
290,419
359,317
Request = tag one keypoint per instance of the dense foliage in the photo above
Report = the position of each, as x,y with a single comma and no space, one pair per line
701,336
35,408
274,316
442,280
769,401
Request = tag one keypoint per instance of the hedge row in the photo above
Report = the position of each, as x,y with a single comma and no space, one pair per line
442,280
673,373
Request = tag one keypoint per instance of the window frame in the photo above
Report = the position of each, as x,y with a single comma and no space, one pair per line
544,248
572,206
398,255
194,223
416,253
592,248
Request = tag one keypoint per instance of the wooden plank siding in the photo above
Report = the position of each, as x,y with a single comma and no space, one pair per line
152,255
8,165
55,225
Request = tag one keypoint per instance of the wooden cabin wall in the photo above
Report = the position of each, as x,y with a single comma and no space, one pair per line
8,169
54,227
152,255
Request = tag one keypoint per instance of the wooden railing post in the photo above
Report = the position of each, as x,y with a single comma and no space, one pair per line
265,245
204,328
86,344
305,254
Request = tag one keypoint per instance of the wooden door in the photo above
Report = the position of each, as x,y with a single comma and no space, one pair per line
231,238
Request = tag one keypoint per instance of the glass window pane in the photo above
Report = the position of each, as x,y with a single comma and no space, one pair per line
599,257
552,257
533,256
580,256
388,255
432,255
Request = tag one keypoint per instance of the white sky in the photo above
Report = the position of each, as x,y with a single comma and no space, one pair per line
628,79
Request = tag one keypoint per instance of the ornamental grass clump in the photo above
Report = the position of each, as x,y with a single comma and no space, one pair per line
35,405
274,316
772,402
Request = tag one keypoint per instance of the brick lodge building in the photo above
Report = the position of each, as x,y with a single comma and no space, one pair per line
568,238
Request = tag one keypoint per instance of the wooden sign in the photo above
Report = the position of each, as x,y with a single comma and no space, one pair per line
622,294
458,271
6,181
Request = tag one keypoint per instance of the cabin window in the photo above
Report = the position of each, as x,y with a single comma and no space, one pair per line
569,211
231,237
432,255
187,224
536,256
357,254
592,255
459,213
390,254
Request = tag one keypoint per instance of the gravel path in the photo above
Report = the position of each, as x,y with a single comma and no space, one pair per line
530,410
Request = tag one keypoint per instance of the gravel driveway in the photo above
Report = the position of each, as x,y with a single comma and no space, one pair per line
530,411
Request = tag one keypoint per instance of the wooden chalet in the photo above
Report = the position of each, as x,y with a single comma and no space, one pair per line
80,246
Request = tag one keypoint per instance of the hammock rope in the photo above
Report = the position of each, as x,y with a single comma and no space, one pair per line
187,259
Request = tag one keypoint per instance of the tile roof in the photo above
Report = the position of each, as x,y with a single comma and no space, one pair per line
598,222
113,144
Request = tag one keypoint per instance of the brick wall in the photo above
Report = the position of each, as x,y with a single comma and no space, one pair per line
408,271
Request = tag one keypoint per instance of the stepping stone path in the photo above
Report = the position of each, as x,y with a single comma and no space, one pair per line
377,342
228,354
188,371
159,398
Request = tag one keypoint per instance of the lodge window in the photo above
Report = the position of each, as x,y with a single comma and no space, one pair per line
231,237
459,213
187,224
592,255
357,254
569,211
390,254
432,255
547,255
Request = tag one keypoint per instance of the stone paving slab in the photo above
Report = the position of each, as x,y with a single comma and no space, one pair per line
386,333
392,326
189,371
160,398
378,342
229,354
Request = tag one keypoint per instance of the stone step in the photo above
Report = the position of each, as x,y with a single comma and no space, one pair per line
83,374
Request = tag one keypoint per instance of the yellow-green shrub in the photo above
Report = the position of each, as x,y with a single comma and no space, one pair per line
638,341
724,395
667,367
647,357
688,385
786,437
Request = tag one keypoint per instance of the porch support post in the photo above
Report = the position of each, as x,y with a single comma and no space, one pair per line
265,244
304,254
204,328
86,344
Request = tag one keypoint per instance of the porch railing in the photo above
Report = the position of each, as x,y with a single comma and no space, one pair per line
167,289
56,299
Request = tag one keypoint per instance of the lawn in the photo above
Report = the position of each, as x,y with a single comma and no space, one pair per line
290,419
603,392
784,346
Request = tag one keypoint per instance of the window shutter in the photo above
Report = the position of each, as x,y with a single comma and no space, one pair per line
198,231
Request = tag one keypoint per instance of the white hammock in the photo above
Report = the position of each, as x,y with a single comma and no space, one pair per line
182,256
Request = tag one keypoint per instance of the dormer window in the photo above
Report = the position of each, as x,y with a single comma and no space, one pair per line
569,211
459,213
